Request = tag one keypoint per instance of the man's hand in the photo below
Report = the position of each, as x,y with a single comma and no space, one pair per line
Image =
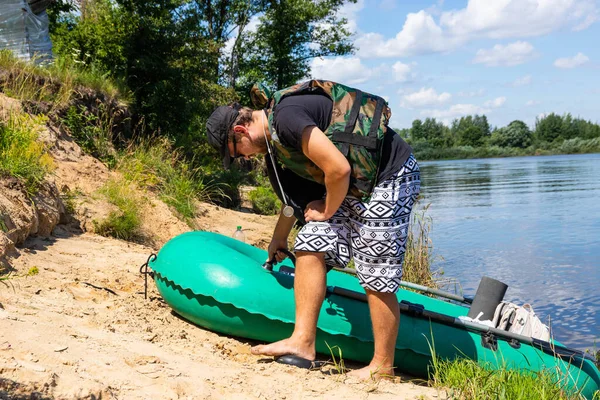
277,244
315,211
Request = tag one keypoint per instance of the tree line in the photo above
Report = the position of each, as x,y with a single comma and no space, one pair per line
473,134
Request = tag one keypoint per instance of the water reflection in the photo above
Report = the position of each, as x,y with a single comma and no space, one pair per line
532,222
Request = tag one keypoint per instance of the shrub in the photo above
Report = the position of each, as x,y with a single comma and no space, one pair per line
54,83
125,222
264,201
21,155
92,132
155,165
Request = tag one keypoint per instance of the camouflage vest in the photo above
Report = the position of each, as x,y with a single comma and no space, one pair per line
358,124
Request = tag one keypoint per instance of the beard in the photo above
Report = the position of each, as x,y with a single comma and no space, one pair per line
261,144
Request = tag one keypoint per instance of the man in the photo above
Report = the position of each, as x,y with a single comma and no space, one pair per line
372,229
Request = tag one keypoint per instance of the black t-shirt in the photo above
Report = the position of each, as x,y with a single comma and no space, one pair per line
294,113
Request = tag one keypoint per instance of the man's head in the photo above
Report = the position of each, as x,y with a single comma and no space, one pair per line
232,131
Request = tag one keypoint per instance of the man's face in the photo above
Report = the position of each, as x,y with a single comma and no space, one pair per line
240,146
243,145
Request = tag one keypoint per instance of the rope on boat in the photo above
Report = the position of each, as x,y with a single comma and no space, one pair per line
146,270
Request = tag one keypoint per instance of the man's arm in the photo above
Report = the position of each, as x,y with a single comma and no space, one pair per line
320,150
280,236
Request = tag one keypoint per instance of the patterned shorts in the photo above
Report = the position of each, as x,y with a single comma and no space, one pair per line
372,233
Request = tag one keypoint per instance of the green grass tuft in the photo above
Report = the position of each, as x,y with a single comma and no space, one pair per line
470,380
156,166
93,133
338,362
125,222
21,155
54,83
264,201
419,251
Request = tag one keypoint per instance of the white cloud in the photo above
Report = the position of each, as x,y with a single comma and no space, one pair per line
518,18
455,111
350,11
402,72
472,93
510,55
425,98
497,19
496,103
522,81
419,35
350,71
532,103
571,62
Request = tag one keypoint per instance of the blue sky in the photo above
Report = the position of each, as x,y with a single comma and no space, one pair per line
508,59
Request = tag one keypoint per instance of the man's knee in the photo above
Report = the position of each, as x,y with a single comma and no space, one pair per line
310,256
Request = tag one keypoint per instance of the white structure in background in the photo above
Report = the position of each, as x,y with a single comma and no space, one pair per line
24,29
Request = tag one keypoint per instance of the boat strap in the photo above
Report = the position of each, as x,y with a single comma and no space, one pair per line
146,270
489,341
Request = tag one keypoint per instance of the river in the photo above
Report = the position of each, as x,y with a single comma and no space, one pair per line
530,222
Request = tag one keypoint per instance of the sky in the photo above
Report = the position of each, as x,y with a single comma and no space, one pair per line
507,59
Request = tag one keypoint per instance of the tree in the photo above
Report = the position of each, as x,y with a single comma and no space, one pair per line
161,51
416,131
481,122
434,132
471,130
290,34
586,129
93,36
549,127
516,134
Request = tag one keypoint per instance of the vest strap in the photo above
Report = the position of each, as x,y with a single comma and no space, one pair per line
354,112
376,118
366,141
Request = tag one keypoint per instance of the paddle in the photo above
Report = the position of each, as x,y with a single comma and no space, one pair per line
268,265
418,310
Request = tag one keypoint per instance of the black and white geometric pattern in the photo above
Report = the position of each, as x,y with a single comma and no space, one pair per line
373,233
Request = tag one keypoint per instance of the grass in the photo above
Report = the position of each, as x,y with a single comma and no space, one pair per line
3,226
419,251
55,83
338,362
21,155
4,275
469,380
464,378
69,199
94,133
264,201
157,166
125,222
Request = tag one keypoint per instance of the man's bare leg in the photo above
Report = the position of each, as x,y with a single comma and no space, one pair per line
309,293
385,317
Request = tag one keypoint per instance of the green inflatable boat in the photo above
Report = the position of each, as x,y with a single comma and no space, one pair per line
219,283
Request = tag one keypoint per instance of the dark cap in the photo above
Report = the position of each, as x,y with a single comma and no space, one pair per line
217,130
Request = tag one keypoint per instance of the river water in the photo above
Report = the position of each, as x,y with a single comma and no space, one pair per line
530,222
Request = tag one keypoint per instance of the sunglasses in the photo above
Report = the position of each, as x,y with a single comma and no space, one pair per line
235,153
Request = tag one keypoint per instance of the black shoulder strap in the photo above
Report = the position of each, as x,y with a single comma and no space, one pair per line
347,137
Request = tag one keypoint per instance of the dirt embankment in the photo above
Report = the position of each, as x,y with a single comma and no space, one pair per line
81,328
